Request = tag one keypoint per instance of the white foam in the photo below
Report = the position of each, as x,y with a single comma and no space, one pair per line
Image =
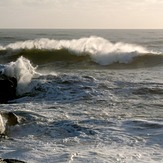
2,126
101,51
23,71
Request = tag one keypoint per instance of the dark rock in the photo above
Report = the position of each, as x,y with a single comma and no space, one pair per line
8,119
7,88
10,161
12,118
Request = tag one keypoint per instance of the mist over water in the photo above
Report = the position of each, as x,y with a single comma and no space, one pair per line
84,95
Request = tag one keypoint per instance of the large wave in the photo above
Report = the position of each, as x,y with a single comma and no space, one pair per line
97,49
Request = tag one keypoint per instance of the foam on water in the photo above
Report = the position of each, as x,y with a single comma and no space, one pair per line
100,50
2,126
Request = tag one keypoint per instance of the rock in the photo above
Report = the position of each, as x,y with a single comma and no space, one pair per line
8,119
10,161
12,118
7,88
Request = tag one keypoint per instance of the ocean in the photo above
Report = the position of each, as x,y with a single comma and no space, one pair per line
86,95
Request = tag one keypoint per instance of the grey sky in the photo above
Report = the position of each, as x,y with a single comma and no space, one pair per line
81,14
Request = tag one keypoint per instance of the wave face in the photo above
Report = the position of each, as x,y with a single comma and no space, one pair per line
91,49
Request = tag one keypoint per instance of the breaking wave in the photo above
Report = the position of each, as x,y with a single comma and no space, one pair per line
23,71
92,49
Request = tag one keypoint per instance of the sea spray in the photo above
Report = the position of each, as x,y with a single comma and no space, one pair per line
23,71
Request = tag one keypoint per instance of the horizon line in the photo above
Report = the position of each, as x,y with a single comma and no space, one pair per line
83,28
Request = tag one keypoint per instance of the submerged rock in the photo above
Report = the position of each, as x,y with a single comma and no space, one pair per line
7,88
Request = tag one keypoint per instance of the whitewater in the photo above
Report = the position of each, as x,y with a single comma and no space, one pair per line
84,95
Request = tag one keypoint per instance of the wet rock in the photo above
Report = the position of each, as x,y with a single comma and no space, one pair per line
12,118
10,161
8,119
7,88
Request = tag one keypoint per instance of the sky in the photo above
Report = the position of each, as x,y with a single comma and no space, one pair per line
82,14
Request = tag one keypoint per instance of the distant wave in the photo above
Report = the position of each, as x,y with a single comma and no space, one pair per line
92,49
